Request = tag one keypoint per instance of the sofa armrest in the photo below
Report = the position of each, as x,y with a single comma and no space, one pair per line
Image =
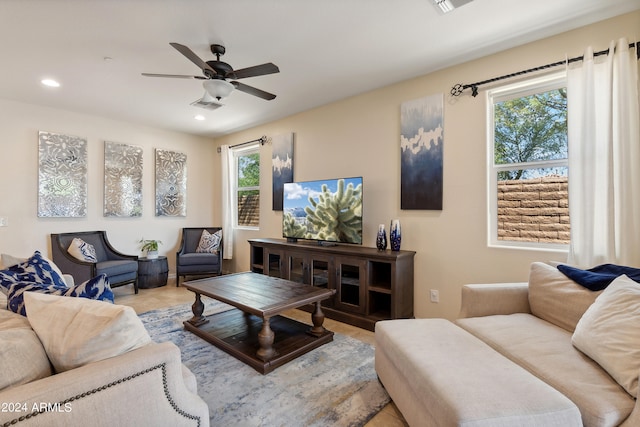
497,298
142,387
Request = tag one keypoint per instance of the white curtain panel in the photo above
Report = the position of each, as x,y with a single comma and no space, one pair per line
228,201
604,158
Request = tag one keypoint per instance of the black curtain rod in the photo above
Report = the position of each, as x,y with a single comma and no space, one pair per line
262,140
459,88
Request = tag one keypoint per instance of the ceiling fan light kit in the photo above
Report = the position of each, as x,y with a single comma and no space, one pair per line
215,75
218,88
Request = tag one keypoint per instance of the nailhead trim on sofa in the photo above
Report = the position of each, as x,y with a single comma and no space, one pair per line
112,384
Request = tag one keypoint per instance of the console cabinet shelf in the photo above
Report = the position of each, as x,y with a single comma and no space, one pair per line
370,285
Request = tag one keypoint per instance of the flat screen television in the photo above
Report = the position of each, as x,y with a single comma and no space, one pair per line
326,210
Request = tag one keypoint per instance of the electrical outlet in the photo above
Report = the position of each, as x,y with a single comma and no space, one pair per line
4,222
435,295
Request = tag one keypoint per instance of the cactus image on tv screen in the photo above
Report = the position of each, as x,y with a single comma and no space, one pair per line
325,210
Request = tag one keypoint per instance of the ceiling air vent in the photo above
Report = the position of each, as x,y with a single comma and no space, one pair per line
208,104
446,6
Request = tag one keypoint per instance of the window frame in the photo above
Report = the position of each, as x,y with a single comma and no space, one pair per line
244,150
504,93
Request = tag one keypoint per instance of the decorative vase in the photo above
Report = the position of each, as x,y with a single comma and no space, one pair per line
395,235
381,238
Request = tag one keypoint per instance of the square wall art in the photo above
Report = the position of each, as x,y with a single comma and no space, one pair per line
62,175
421,149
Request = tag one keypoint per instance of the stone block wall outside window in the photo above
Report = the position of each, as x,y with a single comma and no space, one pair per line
534,210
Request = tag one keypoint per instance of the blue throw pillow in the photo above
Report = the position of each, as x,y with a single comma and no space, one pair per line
598,278
34,270
97,288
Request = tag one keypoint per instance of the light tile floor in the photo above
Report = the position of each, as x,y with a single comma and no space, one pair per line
166,296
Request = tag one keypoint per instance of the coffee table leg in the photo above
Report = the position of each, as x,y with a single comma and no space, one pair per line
265,338
318,319
198,308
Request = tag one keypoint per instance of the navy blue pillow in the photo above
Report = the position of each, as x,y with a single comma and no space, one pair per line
598,278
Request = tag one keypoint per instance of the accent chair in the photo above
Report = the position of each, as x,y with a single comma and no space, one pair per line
192,263
121,269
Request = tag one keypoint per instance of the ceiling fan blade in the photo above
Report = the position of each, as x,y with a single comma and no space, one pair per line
257,70
175,76
253,91
194,58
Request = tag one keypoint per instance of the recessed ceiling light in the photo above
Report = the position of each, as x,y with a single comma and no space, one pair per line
50,82
446,6
199,117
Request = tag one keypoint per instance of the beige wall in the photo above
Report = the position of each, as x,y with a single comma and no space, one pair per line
19,126
360,136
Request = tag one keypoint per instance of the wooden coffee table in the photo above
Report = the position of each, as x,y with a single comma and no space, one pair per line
254,332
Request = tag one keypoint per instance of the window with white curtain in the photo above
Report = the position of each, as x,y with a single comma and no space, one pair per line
247,185
528,164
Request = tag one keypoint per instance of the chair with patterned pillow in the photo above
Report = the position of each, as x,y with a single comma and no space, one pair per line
87,254
200,252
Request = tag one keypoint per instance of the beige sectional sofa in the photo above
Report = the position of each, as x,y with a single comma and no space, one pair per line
147,386
512,357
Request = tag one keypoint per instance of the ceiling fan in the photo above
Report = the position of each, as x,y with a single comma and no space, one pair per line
216,75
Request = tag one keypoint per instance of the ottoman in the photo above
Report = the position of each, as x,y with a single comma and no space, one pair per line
440,375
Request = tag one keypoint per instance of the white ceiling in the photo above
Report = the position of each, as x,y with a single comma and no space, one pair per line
326,51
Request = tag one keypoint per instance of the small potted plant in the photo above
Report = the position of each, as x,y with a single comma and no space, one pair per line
150,247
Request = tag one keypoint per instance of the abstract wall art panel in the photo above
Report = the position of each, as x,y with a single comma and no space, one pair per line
122,180
62,175
421,150
281,166
171,183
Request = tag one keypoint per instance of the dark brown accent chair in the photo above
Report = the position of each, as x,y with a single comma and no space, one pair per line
191,263
120,269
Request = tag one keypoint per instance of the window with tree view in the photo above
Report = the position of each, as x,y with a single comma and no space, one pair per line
248,186
529,184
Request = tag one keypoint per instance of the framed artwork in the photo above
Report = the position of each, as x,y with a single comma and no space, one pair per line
62,175
122,180
421,152
171,183
281,166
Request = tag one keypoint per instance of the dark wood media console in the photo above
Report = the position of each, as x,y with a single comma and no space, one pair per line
370,285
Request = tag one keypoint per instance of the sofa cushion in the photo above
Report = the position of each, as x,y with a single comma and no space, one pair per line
546,351
556,298
82,250
97,288
609,333
460,381
77,331
22,357
36,269
209,242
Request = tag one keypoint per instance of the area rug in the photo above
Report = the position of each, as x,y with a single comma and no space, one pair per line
333,385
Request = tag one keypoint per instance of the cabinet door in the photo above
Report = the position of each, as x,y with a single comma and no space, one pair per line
297,268
273,263
308,269
350,284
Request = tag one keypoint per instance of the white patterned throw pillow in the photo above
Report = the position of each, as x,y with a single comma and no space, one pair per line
209,243
82,250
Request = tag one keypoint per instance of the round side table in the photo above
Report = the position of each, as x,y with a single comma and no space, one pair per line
152,272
